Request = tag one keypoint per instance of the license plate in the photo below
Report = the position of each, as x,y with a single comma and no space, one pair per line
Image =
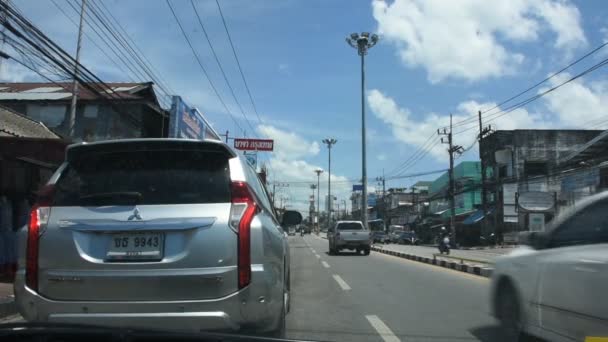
135,246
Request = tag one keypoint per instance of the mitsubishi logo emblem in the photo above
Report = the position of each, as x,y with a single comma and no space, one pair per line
135,215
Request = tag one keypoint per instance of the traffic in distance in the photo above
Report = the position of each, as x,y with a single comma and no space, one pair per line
377,170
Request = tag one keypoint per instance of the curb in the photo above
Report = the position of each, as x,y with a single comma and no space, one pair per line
472,269
7,306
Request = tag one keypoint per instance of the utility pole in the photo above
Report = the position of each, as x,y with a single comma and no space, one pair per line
312,203
363,43
483,131
329,142
383,180
71,129
452,191
318,172
274,193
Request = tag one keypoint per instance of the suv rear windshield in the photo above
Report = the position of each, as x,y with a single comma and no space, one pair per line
144,177
350,226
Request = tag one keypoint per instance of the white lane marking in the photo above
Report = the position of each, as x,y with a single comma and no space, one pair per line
341,282
325,264
318,256
385,332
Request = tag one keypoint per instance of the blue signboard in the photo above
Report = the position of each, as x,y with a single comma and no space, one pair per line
188,123
371,200
357,187
580,180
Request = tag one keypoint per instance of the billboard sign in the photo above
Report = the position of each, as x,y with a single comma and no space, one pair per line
371,200
357,187
188,123
254,144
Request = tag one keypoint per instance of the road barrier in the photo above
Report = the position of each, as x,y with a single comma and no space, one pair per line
480,270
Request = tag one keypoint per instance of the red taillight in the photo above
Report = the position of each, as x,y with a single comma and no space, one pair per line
33,235
243,210
39,216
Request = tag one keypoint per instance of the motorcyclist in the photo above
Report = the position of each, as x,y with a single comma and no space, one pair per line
444,241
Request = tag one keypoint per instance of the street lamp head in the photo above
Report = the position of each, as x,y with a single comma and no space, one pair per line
319,171
365,34
329,142
375,38
354,36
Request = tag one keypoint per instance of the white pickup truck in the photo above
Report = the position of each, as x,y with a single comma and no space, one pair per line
349,235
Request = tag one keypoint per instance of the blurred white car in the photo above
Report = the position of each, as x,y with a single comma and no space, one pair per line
555,288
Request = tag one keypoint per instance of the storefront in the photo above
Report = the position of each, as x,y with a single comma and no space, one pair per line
29,154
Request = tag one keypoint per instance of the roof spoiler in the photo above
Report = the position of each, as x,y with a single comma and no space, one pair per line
132,145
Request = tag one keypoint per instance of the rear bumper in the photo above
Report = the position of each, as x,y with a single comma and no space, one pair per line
353,244
240,311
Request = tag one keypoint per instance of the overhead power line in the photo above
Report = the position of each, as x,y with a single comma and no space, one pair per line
238,63
520,104
473,118
219,64
45,51
200,64
118,49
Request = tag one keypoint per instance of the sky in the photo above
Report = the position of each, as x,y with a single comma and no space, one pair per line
434,58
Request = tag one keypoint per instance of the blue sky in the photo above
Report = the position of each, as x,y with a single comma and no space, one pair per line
434,58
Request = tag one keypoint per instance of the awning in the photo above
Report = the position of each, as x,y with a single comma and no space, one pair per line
441,212
476,216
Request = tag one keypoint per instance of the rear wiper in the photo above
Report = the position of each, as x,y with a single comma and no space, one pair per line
135,196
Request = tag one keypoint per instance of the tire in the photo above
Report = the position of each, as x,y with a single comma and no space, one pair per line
281,329
508,310
366,251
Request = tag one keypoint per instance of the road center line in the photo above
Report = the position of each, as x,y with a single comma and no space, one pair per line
318,256
325,264
385,332
341,282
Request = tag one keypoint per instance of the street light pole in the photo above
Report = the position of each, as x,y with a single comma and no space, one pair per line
318,172
363,43
329,142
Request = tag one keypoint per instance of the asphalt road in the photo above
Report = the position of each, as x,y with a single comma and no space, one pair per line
380,297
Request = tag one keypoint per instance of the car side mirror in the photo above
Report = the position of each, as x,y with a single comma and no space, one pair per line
291,218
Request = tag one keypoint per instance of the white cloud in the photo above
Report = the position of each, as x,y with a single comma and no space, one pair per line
578,104
415,132
12,72
288,145
381,156
463,39
287,164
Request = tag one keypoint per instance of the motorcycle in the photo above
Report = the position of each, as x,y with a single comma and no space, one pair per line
444,246
302,232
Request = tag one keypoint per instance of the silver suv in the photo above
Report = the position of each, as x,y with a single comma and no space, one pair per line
156,233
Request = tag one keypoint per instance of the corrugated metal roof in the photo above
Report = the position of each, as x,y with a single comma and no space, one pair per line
34,96
43,90
127,91
17,125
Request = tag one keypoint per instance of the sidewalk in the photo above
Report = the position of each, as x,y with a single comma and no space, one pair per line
482,256
7,300
473,261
